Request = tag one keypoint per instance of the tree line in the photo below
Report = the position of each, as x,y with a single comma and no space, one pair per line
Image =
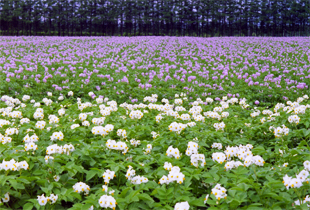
155,17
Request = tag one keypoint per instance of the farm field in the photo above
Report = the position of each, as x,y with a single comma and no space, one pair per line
154,123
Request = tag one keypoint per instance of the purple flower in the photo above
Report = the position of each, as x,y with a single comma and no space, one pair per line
256,102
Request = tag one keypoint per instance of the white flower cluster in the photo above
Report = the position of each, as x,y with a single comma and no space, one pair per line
42,200
11,131
106,111
47,157
192,151
178,101
99,100
233,100
219,157
130,175
67,148
255,113
5,139
38,115
185,117
300,109
280,132
70,93
85,123
151,99
267,112
53,119
57,136
15,114
158,118
242,152
122,146
33,138
108,175
180,109
217,146
107,201
135,142
302,177
31,146
173,152
40,124
4,122
82,116
136,114
278,106
182,206
47,101
209,100
192,148
225,114
218,109
168,166
174,175
52,149
177,127
306,200
13,165
97,121
25,98
121,133
148,149
191,124
219,192
154,134
297,182
219,126
73,126
139,179
294,119
61,111
243,103
81,187
239,151
232,164
83,106
257,160
213,115
199,118
100,130
195,110
195,158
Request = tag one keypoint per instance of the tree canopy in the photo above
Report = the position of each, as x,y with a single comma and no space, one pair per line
155,17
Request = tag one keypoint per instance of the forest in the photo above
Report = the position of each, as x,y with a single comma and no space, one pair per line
203,18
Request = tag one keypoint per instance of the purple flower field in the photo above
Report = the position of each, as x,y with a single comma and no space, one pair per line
263,69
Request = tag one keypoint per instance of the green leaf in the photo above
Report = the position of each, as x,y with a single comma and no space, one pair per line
197,202
145,197
14,184
28,206
3,179
90,174
124,192
76,195
45,189
258,150
234,204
